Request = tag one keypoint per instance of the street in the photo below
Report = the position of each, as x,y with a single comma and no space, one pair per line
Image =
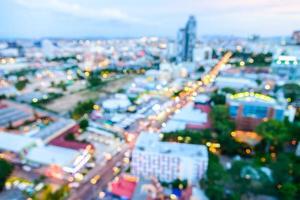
89,191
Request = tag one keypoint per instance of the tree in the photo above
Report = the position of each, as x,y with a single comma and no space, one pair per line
84,124
273,131
215,180
5,170
221,120
201,69
82,108
94,79
179,184
21,84
218,99
62,85
292,91
188,136
288,191
231,147
48,193
281,168
61,194
229,90
70,137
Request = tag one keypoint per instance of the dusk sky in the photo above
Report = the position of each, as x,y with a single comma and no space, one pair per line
127,18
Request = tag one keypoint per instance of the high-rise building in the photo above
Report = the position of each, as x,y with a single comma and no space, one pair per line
186,40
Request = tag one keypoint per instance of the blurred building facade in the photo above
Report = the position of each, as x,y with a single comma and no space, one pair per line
168,161
287,67
296,37
250,109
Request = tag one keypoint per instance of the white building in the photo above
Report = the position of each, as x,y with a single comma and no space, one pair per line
8,91
286,67
69,160
188,115
235,82
168,161
203,54
118,103
165,72
15,143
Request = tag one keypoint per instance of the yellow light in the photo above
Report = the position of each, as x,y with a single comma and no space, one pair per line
273,155
96,107
248,151
179,138
104,75
216,145
78,176
95,179
87,74
116,170
126,160
256,95
180,186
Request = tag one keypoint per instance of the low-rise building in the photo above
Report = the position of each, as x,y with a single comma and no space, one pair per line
286,67
235,82
118,103
194,116
18,144
168,161
13,114
64,159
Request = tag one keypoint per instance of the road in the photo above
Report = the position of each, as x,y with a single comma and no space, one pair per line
88,191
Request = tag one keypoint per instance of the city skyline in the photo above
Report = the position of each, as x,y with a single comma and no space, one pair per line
169,100
75,19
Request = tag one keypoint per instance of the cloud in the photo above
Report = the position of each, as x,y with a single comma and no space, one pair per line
77,10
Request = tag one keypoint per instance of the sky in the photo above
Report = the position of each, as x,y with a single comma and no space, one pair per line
134,18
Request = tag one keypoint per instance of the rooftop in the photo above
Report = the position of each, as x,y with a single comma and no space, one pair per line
15,143
286,60
54,129
193,117
11,112
190,114
62,142
124,186
150,142
236,82
53,155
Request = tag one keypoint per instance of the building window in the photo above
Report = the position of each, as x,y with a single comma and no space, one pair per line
255,111
233,111
279,115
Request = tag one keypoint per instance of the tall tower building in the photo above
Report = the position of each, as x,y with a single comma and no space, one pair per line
186,40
